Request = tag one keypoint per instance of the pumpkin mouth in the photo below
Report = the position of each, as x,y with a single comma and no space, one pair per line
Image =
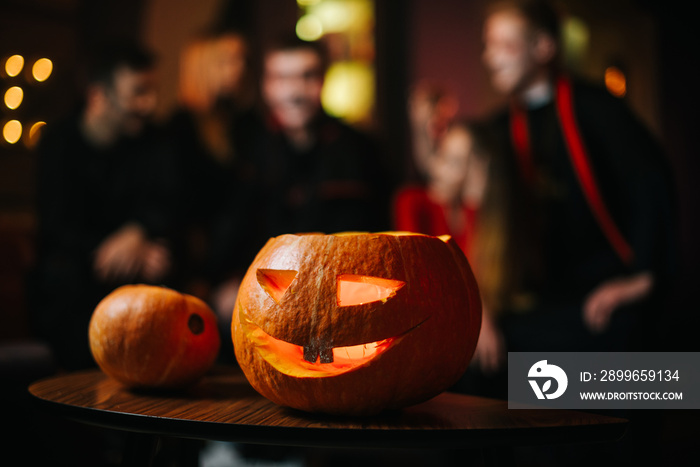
288,358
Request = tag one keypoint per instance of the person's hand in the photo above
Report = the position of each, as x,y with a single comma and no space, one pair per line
609,296
119,255
156,261
420,108
490,349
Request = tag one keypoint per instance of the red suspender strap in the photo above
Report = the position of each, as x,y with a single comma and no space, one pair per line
579,159
582,167
520,136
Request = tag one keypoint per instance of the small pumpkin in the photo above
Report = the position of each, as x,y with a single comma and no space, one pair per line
356,323
153,337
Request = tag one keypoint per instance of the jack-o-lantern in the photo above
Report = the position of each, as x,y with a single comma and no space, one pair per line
356,323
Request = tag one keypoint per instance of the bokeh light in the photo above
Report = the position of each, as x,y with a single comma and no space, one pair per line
34,133
14,97
14,65
348,91
42,69
615,81
343,16
12,131
309,28
576,41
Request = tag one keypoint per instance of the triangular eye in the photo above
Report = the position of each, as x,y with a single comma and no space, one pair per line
275,281
356,290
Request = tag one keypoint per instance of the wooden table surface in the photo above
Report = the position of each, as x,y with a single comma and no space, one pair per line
223,406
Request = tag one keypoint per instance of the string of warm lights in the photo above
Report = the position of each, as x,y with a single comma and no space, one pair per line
15,74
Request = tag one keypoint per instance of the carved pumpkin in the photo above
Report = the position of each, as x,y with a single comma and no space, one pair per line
153,337
356,323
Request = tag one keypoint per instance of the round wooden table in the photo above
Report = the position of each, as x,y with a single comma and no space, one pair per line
224,407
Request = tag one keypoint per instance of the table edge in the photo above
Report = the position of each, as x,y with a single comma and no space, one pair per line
330,437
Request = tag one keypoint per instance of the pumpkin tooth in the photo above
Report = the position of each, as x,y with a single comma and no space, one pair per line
310,354
326,355
313,353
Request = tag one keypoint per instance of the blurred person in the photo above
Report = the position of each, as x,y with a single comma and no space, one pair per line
590,240
318,173
104,210
595,217
448,202
448,196
212,129
466,196
431,108
312,172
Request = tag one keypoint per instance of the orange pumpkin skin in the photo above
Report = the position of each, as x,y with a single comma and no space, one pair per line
153,337
427,328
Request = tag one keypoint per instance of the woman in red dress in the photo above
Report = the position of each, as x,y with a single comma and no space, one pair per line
448,202
465,196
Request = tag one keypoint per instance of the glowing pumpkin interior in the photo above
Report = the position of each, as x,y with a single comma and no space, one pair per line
295,360
358,290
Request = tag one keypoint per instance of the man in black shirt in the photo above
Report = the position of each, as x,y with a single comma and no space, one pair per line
105,202
591,183
319,174
313,172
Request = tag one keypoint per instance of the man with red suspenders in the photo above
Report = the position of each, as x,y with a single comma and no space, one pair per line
600,201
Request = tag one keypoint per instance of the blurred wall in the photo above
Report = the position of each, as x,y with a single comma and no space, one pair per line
445,49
